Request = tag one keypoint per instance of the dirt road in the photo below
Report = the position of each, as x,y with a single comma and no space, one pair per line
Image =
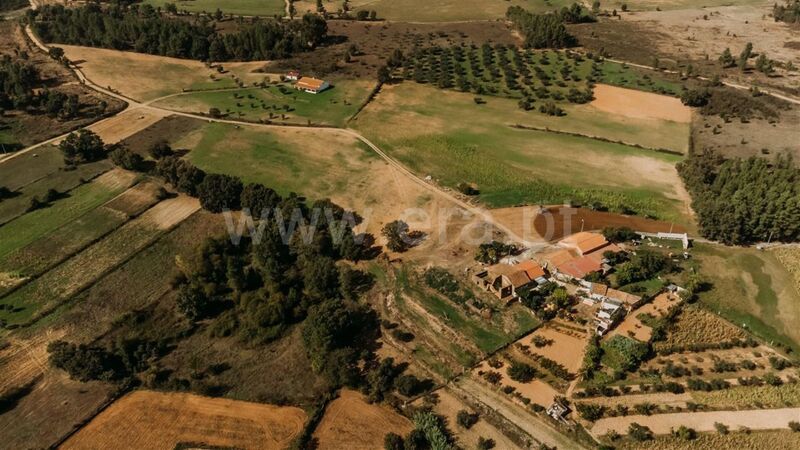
536,428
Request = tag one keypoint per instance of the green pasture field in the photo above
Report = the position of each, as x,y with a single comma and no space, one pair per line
316,164
236,7
278,103
448,136
34,225
449,10
753,290
67,279
30,167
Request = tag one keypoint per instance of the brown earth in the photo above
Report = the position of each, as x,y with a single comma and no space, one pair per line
350,422
633,327
560,221
156,420
566,349
169,129
639,104
377,40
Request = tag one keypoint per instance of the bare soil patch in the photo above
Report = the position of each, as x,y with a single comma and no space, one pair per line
128,123
566,348
633,327
145,419
639,104
351,422
555,222
169,129
536,390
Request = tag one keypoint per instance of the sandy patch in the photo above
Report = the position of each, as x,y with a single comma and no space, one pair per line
633,327
566,349
171,212
763,419
640,104
350,422
536,390
155,420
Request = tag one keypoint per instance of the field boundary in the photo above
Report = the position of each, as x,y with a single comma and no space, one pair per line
596,138
46,312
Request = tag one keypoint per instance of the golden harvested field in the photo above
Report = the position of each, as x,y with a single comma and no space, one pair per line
742,397
790,258
144,77
697,326
157,420
351,422
763,440
124,125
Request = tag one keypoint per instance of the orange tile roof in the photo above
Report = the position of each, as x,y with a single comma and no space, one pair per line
310,83
531,268
580,267
623,296
585,241
557,258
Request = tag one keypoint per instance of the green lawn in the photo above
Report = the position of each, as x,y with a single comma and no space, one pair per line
32,226
237,7
279,103
446,135
753,290
316,164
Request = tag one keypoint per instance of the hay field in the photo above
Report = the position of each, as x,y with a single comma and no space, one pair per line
156,420
351,422
752,289
144,77
758,440
330,107
695,325
759,419
447,136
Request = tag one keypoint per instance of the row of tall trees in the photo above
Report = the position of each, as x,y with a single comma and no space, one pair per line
740,201
143,29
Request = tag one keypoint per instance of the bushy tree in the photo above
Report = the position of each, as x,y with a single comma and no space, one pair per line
82,146
218,192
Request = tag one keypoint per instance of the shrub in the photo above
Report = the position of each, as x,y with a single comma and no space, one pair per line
639,432
127,159
590,411
794,426
521,372
466,419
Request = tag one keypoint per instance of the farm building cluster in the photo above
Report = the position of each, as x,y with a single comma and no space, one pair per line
310,85
575,262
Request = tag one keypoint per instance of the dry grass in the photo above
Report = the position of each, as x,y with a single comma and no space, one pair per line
351,422
698,326
765,440
741,397
155,420
790,258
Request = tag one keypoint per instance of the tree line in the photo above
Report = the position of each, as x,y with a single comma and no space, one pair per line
741,201
546,30
142,29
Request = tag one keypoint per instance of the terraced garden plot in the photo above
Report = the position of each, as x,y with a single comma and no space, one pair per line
53,248
696,326
753,440
747,397
69,278
32,226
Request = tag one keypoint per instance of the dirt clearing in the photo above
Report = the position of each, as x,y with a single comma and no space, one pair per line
639,104
565,349
155,420
351,422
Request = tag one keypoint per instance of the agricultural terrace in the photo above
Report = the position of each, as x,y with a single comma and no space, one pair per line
278,102
450,10
58,285
752,289
448,136
351,419
147,77
35,224
755,440
234,7
145,419
535,75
